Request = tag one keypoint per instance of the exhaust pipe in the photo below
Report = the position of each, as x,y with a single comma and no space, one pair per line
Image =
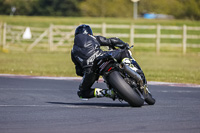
133,74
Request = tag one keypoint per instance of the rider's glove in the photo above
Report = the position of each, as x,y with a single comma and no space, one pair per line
122,45
118,43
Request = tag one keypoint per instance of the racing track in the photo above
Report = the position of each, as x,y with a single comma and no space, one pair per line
30,105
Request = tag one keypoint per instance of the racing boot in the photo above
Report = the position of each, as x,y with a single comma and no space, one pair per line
104,93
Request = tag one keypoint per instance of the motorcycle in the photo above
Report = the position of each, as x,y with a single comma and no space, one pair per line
127,83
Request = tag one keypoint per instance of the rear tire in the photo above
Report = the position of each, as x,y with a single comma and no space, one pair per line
124,90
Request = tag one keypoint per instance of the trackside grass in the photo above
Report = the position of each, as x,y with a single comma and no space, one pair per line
43,21
168,66
165,67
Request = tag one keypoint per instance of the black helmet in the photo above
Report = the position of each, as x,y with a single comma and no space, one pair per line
83,29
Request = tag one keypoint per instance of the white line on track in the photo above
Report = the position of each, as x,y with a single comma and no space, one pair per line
63,106
71,106
100,80
171,91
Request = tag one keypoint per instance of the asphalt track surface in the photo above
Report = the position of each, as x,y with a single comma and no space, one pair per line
52,106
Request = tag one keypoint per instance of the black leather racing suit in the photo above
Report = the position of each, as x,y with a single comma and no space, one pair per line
86,48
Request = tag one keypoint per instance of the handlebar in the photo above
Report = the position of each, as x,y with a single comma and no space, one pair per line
129,47
126,47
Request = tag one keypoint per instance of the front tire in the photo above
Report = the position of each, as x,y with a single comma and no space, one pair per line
149,99
124,90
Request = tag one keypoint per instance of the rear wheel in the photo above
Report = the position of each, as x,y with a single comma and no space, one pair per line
124,90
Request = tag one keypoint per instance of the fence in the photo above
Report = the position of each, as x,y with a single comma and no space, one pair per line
57,37
49,38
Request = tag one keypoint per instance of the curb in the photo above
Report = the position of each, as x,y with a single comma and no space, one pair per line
100,80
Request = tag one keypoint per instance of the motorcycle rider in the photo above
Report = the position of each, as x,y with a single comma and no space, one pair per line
85,49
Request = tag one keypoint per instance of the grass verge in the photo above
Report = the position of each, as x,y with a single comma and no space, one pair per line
166,67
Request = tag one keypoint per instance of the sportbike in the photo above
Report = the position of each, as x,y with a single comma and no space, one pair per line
126,81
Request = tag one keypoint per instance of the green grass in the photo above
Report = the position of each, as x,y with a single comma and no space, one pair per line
170,67
43,64
167,67
46,21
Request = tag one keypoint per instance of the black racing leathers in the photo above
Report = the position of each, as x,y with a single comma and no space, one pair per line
86,48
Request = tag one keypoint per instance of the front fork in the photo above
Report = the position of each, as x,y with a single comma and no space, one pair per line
145,91
136,72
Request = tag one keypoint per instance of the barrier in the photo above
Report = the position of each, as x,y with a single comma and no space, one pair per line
55,36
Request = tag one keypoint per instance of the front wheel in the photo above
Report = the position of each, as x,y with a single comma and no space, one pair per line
124,89
149,99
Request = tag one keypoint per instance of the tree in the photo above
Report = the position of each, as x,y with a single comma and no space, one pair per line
4,8
170,7
41,7
191,9
23,7
56,8
178,8
106,8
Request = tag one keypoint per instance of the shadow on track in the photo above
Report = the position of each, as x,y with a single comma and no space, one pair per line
93,104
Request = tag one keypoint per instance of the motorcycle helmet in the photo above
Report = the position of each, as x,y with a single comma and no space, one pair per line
83,29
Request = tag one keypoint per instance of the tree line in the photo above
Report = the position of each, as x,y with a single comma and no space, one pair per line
180,9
